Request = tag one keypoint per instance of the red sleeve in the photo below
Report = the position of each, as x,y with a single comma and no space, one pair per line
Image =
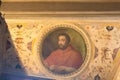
50,60
76,60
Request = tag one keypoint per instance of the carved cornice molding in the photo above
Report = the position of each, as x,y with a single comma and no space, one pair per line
61,1
55,7
59,6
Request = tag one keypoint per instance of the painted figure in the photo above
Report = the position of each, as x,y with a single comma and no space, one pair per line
65,59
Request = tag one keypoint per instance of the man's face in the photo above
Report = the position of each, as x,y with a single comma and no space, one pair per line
62,42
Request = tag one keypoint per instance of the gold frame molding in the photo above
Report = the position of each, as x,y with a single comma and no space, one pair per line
38,46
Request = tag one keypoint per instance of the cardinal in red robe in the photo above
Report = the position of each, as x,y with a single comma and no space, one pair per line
66,58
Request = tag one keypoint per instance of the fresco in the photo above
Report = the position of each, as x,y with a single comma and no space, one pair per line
104,38
61,51
18,57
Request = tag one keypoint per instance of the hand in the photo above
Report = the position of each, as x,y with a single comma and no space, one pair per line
61,68
56,68
69,69
65,68
52,67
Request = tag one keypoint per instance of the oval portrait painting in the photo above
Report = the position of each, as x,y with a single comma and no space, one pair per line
63,50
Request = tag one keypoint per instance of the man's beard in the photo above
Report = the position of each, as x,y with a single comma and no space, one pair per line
63,47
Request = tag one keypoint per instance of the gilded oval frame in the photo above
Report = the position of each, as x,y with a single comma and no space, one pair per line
38,49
